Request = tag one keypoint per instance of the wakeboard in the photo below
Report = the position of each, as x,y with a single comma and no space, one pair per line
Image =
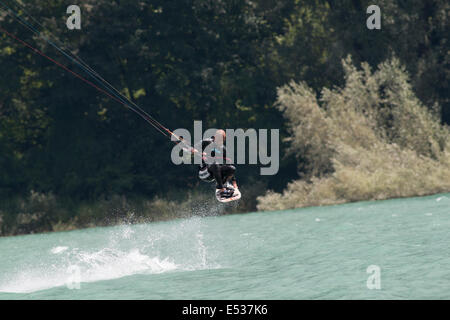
236,196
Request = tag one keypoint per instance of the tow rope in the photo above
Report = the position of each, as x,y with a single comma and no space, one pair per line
108,89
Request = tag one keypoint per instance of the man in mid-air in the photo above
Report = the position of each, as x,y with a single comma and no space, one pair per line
214,166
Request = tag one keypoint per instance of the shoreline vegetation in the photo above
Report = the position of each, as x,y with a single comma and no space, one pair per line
372,139
117,210
40,212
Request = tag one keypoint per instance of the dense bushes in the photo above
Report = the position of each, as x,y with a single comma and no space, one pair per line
370,139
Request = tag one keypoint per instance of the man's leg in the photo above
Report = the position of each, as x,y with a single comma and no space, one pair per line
216,171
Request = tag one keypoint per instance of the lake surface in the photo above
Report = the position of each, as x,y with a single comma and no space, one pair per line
309,253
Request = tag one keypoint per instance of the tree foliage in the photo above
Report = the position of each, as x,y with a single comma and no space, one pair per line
218,61
370,139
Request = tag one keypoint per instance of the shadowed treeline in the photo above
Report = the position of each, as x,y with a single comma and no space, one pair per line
216,61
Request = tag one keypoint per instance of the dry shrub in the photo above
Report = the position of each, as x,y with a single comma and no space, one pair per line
371,139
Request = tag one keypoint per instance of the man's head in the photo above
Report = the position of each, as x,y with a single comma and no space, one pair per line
220,136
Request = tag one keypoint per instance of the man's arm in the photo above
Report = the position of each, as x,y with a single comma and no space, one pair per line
201,145
197,149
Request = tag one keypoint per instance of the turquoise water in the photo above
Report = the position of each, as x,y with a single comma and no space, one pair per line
310,253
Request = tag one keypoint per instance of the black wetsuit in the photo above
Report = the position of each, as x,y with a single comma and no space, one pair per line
220,171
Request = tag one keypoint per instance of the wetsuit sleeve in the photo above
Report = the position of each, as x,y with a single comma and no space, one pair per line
200,146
